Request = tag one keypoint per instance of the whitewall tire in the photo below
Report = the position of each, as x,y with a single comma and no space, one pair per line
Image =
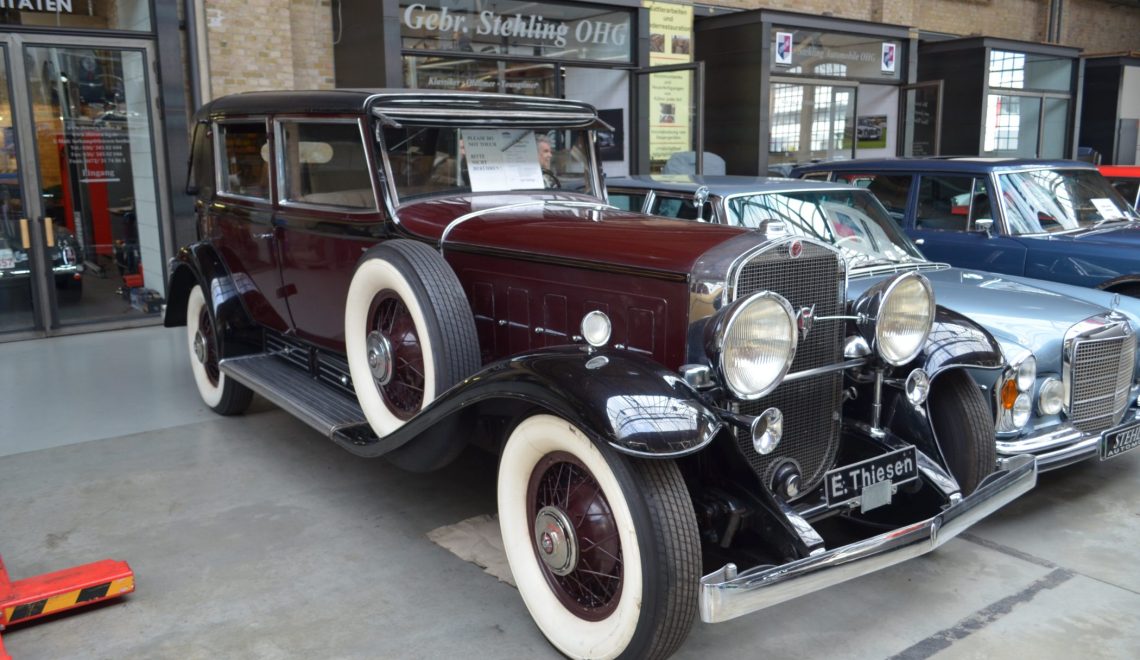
219,393
408,331
604,549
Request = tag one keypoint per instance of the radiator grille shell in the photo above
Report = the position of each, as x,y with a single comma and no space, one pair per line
1098,378
813,280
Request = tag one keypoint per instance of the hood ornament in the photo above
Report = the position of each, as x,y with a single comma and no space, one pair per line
804,320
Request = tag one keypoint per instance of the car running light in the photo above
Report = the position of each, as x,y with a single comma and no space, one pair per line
754,342
1027,374
596,329
767,429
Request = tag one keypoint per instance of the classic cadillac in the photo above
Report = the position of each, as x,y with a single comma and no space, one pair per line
690,418
1070,386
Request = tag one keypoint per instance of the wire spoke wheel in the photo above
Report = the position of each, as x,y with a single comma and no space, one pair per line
576,536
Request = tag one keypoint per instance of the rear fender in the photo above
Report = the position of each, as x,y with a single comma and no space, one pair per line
200,264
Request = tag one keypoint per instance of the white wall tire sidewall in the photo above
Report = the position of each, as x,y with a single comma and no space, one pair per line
372,277
533,439
211,394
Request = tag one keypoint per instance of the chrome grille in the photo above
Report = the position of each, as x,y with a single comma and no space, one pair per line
810,405
1101,380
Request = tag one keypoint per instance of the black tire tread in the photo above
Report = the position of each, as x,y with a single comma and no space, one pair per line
965,428
677,546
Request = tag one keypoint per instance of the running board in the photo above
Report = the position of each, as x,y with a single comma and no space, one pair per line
335,415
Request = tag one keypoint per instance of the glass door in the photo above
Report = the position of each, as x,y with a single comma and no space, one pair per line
18,296
91,149
810,122
922,123
670,111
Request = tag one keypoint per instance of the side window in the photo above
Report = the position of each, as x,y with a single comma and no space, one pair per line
674,207
627,201
893,190
816,176
245,156
325,164
201,175
944,202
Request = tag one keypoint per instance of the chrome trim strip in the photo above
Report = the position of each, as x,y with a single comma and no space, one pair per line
840,366
726,594
474,214
1061,446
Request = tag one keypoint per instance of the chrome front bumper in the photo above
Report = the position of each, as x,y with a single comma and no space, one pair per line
726,594
1059,447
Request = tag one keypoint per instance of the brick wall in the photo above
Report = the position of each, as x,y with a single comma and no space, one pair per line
269,44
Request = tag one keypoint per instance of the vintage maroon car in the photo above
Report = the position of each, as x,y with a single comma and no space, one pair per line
414,272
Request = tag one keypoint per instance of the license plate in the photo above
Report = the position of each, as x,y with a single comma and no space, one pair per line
870,483
1115,443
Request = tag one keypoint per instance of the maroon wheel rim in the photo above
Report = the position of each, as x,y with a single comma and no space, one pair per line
209,356
592,586
403,393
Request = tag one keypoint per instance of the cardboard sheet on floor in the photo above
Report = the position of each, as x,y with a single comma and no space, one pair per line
478,541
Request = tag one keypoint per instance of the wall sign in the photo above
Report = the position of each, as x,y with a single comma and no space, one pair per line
508,27
783,48
889,52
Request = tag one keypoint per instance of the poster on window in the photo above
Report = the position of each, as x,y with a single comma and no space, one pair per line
670,92
890,52
784,48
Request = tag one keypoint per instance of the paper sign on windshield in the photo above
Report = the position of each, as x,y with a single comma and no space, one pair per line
501,159
1107,209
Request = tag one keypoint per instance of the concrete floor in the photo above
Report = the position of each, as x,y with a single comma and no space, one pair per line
253,537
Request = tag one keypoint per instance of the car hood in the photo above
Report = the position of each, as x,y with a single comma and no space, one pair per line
1019,315
1113,234
550,226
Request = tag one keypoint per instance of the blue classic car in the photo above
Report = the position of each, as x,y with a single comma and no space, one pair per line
1053,220
1068,390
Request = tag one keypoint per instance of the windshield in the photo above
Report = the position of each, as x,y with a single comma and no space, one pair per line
1040,201
448,160
851,220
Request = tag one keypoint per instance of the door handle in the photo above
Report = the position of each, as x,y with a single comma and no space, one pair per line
49,231
25,237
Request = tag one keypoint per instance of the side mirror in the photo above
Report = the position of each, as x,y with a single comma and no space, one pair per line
700,197
984,224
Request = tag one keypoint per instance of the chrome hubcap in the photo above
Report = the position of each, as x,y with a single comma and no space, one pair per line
380,357
200,347
557,544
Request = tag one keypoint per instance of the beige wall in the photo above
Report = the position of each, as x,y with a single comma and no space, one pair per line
287,44
269,44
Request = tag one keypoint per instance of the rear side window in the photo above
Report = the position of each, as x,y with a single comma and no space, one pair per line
627,201
325,164
944,202
674,207
891,189
243,150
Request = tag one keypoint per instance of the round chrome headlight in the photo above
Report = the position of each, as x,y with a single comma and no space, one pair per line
1051,396
754,342
905,316
596,328
1026,374
1021,410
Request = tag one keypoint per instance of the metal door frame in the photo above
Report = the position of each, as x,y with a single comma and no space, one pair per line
44,304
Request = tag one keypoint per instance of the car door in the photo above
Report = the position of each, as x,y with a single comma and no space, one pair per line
943,222
241,218
327,216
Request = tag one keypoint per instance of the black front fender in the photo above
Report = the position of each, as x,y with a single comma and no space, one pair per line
956,341
628,402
